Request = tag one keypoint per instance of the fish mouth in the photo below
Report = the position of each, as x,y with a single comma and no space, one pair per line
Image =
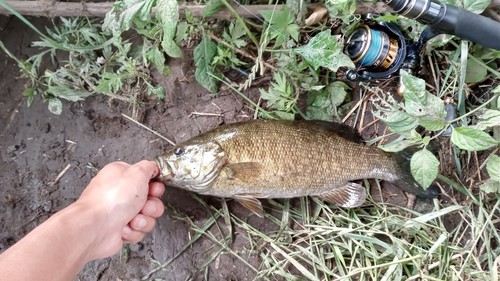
166,172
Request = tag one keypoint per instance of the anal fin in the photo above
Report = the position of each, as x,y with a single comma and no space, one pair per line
350,195
251,204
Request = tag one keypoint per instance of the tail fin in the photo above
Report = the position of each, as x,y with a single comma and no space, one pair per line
407,182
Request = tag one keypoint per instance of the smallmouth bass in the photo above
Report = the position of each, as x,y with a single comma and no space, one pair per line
283,159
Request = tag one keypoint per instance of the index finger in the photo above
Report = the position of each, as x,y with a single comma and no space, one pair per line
148,169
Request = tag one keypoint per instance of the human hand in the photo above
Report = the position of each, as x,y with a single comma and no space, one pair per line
125,202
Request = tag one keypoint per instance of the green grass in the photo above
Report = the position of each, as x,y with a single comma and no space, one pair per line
375,242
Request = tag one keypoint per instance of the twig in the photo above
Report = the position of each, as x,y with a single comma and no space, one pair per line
91,9
149,129
61,174
240,51
206,114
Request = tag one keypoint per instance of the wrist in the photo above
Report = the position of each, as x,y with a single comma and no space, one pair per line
83,223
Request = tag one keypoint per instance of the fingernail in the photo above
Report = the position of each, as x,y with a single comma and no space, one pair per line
141,223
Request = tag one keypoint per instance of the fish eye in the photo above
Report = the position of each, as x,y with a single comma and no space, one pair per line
178,151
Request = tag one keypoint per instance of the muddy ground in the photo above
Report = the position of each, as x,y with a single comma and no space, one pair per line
47,160
36,147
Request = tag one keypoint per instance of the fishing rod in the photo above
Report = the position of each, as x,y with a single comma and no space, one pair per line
380,49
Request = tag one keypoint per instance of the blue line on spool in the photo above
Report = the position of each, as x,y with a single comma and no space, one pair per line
373,49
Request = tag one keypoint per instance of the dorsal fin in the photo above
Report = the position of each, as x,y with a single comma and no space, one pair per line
342,130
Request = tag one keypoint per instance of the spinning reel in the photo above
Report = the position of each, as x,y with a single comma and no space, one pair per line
380,49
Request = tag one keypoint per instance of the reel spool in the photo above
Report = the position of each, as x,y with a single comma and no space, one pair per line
377,49
372,48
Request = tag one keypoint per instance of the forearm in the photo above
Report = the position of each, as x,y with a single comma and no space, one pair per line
56,250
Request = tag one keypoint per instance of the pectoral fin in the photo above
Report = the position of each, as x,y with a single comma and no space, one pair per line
350,195
241,171
252,204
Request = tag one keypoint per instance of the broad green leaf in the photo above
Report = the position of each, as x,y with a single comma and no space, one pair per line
472,139
427,108
414,88
168,13
475,72
203,56
490,186
493,167
55,106
487,118
324,50
398,121
424,167
155,56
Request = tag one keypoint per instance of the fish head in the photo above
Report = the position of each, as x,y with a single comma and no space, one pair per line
192,166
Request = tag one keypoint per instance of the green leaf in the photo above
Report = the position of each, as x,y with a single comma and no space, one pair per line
64,92
109,83
427,108
322,104
414,88
487,118
471,139
155,56
212,7
30,94
323,50
281,25
284,115
203,56
55,106
168,13
398,121
424,167
475,72
493,167
157,91
280,94
343,9
490,186
476,6
412,139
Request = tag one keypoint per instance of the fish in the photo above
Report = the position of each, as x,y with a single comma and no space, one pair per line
257,159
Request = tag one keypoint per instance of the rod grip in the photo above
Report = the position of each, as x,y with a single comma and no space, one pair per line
470,26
